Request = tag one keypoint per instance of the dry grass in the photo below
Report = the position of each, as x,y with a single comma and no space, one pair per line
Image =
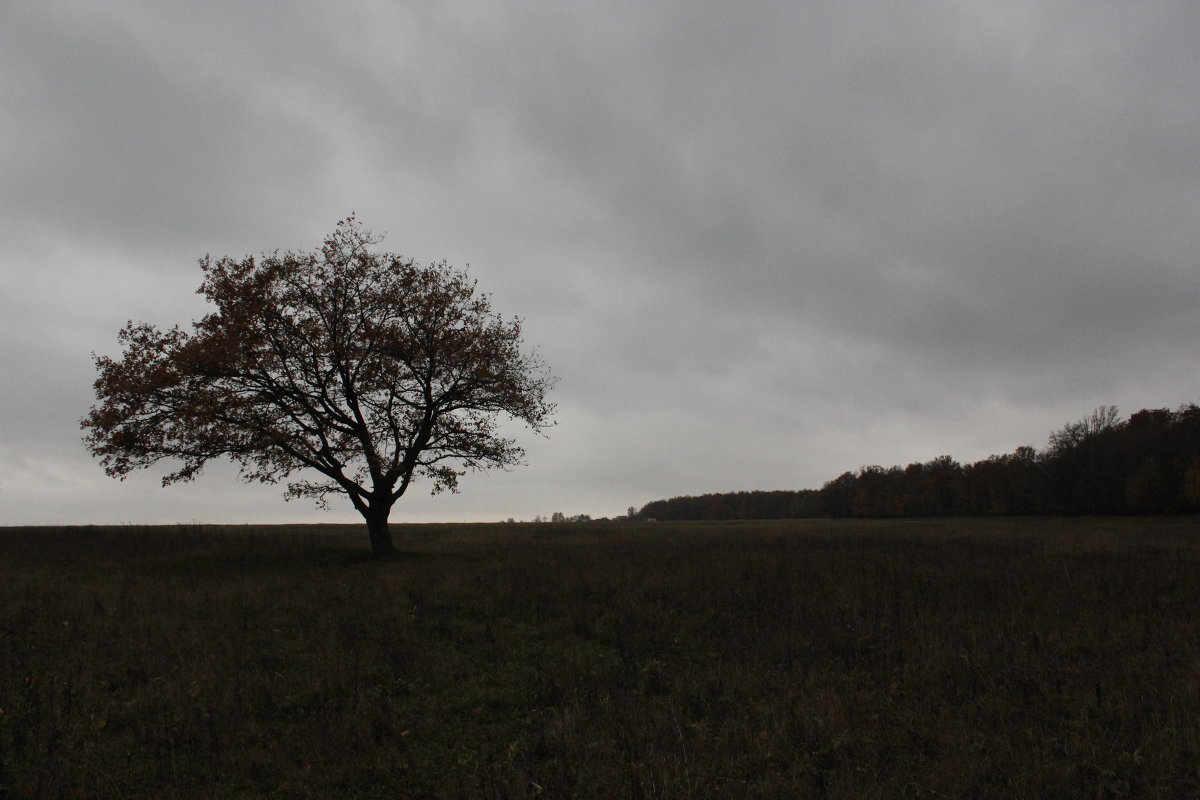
946,658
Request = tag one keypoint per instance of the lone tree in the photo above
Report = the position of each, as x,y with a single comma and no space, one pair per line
361,367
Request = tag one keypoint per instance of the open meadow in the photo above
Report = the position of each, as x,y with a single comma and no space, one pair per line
998,658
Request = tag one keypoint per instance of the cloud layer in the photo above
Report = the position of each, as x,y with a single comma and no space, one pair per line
760,244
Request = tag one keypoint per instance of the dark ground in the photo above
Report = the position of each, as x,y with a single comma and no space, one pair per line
1037,658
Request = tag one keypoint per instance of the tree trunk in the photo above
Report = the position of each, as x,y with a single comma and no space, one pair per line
381,535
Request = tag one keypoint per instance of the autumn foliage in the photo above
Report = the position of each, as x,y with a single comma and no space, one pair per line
364,371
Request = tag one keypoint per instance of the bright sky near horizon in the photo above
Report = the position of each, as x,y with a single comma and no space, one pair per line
759,243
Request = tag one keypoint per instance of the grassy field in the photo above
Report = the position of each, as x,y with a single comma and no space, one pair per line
941,658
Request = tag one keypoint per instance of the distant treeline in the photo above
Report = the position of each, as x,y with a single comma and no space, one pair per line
1148,464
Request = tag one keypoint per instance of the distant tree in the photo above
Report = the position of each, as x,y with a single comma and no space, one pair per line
1076,434
1031,489
1191,485
875,492
1083,459
1149,490
945,478
837,495
1008,484
363,367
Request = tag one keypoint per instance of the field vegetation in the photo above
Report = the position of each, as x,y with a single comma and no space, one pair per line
1007,657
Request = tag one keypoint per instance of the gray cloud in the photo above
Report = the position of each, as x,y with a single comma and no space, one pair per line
760,244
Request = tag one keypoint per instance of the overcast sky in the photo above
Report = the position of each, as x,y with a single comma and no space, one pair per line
760,243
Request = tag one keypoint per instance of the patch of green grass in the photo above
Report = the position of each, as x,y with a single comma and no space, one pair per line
952,658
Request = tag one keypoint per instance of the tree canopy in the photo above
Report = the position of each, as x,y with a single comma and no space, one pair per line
362,370
1100,464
